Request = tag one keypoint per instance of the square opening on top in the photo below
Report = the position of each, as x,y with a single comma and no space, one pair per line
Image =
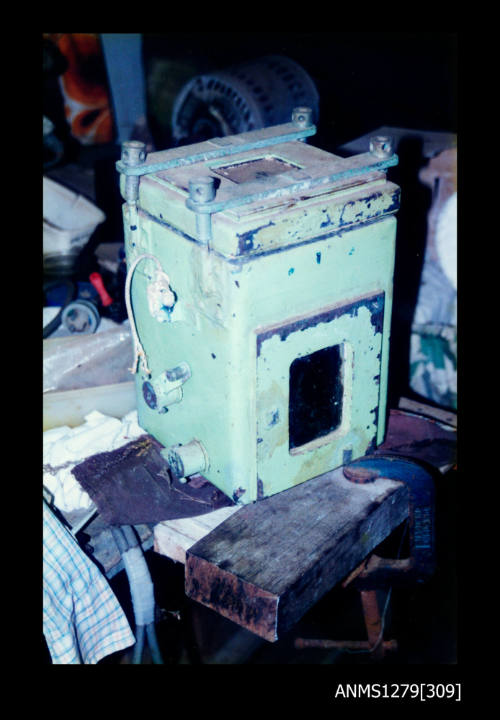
255,169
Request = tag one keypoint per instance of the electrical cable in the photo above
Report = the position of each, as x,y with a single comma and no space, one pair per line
130,536
138,349
119,539
153,644
141,591
139,645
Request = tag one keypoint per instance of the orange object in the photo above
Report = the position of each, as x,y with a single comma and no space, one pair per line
85,87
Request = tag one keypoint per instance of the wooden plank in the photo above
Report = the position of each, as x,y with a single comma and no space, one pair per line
271,561
446,417
172,538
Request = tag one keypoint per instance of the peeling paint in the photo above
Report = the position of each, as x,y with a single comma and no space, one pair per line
358,424
328,220
275,416
237,494
374,303
246,240
309,221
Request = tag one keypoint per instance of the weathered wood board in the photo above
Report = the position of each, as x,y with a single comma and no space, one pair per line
172,538
271,561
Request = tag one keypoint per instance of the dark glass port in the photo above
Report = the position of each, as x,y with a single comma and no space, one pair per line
316,392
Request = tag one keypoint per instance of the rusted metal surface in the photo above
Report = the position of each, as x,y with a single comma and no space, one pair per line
359,475
421,438
374,304
375,645
374,624
421,493
373,621
133,485
447,418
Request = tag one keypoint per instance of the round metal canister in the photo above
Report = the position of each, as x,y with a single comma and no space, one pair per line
188,459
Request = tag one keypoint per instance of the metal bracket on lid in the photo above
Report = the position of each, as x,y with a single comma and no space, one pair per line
213,206
229,145
203,202
204,209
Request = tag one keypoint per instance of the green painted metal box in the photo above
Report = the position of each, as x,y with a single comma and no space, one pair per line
260,292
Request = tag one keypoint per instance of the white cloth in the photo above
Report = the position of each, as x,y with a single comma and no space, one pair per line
65,447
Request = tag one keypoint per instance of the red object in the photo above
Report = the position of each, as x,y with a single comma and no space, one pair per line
98,283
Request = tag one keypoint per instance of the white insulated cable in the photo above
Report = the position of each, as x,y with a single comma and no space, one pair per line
138,348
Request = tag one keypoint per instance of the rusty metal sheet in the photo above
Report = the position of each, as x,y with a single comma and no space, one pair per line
133,485
421,438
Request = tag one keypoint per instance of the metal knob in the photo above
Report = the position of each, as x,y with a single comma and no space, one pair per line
202,189
302,117
381,146
133,152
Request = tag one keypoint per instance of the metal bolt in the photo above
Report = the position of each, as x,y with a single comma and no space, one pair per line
133,152
381,146
359,475
202,189
302,117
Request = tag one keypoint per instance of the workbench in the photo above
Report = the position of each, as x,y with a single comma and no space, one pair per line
264,565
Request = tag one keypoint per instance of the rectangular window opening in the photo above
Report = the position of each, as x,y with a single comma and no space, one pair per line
316,395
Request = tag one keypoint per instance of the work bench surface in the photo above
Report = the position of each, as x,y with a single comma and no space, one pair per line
265,564
271,561
268,563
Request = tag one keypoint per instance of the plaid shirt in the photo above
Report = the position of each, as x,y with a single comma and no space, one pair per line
82,619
